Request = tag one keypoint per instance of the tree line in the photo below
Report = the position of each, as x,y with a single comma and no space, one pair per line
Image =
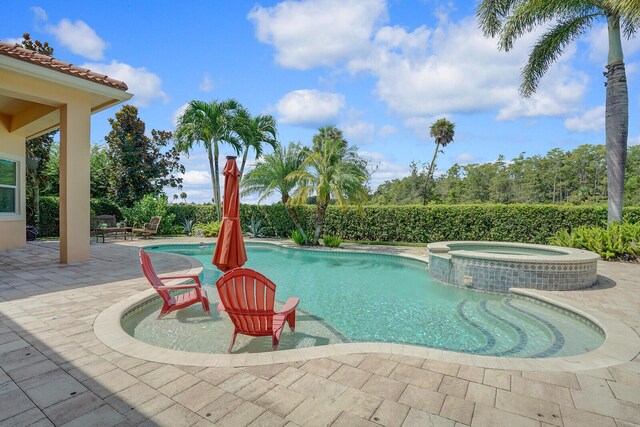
577,176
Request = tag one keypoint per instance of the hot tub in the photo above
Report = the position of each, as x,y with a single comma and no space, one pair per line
498,266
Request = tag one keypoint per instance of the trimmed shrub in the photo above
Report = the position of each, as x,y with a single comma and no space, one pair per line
142,211
297,237
616,241
211,229
331,241
49,216
106,207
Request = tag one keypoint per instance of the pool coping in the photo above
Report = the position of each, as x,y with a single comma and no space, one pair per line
621,342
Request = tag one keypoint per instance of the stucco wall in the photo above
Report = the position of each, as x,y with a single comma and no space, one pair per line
12,231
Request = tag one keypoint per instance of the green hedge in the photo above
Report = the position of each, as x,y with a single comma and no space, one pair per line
50,213
513,222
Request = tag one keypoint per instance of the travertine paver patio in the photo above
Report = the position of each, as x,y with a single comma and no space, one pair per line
55,371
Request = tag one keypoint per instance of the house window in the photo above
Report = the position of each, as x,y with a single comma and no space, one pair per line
9,189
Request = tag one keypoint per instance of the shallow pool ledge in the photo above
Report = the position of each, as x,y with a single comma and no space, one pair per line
621,343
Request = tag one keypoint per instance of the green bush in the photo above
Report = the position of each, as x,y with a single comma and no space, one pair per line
331,241
424,224
211,229
142,211
106,207
297,237
619,240
49,216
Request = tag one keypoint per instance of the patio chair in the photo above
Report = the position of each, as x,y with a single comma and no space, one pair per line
248,297
150,227
174,302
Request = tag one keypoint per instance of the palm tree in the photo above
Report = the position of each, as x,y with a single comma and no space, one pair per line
442,131
270,176
253,132
510,19
628,8
331,170
210,124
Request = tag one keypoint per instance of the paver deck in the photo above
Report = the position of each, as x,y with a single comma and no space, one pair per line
54,370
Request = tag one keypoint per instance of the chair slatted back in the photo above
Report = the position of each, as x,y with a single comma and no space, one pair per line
248,297
152,276
154,223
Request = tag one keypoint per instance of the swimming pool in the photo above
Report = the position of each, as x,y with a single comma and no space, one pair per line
371,297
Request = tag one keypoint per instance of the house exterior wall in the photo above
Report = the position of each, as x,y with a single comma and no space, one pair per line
12,227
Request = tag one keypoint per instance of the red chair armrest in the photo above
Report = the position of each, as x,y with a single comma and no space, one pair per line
193,277
177,287
289,306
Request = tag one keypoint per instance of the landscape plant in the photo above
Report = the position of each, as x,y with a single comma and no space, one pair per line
331,170
619,240
331,241
209,123
297,237
139,165
142,211
210,229
256,228
253,132
564,22
271,175
442,131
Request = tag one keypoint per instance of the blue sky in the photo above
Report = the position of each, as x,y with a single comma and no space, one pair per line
382,71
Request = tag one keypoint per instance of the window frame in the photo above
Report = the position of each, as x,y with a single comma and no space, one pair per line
18,214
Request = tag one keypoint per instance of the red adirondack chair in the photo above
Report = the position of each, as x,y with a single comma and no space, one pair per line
171,302
248,297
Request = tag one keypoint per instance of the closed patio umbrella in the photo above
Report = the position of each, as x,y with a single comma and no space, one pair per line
230,252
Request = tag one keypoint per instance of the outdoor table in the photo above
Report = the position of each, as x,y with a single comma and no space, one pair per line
115,231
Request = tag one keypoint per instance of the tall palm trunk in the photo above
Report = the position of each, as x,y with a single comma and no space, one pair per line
616,121
216,167
244,161
294,216
429,174
213,175
321,211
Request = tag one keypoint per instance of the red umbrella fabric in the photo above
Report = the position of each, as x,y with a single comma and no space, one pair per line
230,252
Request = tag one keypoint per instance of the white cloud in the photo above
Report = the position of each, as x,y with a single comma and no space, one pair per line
196,177
310,107
590,120
385,169
12,40
80,38
560,93
39,12
312,33
633,141
455,69
449,69
145,85
465,158
207,84
179,112
356,130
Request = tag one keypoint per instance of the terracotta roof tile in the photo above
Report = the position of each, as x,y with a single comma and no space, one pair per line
10,50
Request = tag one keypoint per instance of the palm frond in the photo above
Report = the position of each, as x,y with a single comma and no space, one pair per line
491,14
529,14
548,48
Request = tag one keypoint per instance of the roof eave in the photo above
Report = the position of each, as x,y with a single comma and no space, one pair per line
54,76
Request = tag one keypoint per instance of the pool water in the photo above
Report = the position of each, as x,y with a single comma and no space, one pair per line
370,297
504,249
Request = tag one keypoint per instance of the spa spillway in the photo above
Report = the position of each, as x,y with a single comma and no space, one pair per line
498,266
